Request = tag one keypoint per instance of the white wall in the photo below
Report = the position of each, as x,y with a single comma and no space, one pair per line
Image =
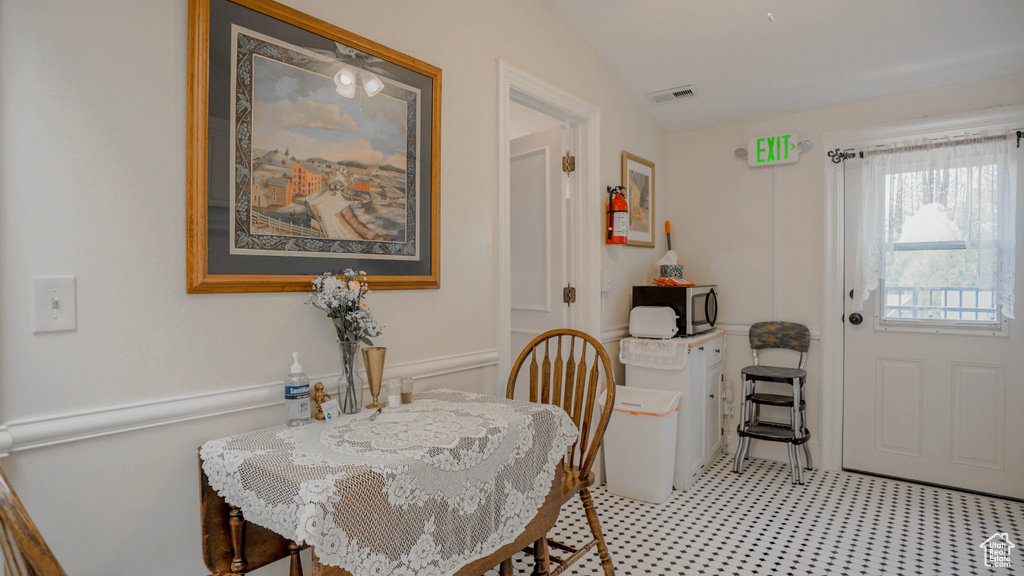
92,184
727,234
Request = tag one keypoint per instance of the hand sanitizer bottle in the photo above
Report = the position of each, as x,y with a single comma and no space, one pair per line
296,394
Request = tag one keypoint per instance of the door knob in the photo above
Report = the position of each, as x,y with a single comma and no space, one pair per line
856,319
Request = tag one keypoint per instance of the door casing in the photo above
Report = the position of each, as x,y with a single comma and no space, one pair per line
833,302
583,136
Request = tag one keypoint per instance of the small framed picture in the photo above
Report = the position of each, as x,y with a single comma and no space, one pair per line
638,180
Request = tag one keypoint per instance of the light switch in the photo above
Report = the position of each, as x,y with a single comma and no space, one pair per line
53,304
606,281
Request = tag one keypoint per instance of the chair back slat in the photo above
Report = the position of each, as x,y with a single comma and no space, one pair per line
533,376
14,562
570,378
577,405
595,379
575,377
545,378
581,383
25,551
556,398
591,387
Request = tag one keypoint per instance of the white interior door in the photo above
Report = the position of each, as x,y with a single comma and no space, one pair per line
540,236
937,407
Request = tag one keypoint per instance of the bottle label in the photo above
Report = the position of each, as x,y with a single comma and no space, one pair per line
296,392
620,223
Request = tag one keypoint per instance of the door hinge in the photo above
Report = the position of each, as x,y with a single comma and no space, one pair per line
569,295
568,163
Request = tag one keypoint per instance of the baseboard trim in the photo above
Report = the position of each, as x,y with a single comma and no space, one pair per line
74,426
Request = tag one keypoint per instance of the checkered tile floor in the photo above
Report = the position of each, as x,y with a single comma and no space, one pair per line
757,523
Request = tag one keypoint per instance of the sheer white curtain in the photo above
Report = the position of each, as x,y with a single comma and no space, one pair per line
972,182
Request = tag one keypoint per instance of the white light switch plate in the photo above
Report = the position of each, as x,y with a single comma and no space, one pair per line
53,304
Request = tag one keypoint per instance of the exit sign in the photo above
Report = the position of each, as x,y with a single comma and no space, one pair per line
773,150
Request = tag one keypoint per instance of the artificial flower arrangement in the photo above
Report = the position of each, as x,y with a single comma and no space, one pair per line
343,297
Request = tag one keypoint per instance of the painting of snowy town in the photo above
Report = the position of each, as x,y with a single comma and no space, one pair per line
318,172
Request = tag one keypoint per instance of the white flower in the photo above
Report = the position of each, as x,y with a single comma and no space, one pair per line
342,298
401,491
429,570
334,544
376,565
330,284
310,521
423,552
317,491
283,515
513,503
470,500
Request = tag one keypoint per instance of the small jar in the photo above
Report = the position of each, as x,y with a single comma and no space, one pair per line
407,390
394,393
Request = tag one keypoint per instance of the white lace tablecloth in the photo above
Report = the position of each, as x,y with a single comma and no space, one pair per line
422,497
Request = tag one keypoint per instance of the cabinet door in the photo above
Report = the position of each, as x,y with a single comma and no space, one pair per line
696,411
713,405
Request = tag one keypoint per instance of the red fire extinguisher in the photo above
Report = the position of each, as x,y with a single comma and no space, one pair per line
618,216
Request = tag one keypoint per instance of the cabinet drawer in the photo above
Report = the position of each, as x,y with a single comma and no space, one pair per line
715,351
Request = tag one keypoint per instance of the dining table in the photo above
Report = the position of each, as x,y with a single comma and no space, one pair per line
453,483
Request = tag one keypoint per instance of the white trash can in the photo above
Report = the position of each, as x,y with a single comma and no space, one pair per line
640,443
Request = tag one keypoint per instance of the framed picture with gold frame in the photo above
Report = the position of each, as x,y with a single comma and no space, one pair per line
638,182
310,149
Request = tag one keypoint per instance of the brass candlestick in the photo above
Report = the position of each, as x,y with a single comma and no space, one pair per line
373,359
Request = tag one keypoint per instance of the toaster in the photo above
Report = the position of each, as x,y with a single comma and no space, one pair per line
653,322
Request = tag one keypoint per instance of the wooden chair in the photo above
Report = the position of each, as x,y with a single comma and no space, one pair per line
572,384
25,551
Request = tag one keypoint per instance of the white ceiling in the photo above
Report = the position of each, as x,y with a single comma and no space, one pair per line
815,54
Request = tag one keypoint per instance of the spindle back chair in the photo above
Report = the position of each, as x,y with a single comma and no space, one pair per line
570,380
25,551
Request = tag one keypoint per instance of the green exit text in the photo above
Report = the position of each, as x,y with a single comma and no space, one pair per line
773,149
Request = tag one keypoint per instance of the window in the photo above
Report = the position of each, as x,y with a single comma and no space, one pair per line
937,236
930,274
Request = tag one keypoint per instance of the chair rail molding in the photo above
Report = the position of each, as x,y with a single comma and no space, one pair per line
54,429
620,331
614,333
743,329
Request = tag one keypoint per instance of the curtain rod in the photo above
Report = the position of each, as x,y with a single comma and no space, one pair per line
839,155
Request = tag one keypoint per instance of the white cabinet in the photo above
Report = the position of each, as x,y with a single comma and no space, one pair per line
706,377
700,406
714,378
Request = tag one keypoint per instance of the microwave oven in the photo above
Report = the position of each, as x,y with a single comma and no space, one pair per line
695,306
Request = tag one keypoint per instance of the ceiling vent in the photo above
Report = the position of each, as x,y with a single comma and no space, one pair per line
672,94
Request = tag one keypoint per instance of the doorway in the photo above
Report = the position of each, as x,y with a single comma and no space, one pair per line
935,404
576,125
540,232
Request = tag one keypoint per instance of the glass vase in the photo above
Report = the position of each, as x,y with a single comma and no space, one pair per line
350,385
